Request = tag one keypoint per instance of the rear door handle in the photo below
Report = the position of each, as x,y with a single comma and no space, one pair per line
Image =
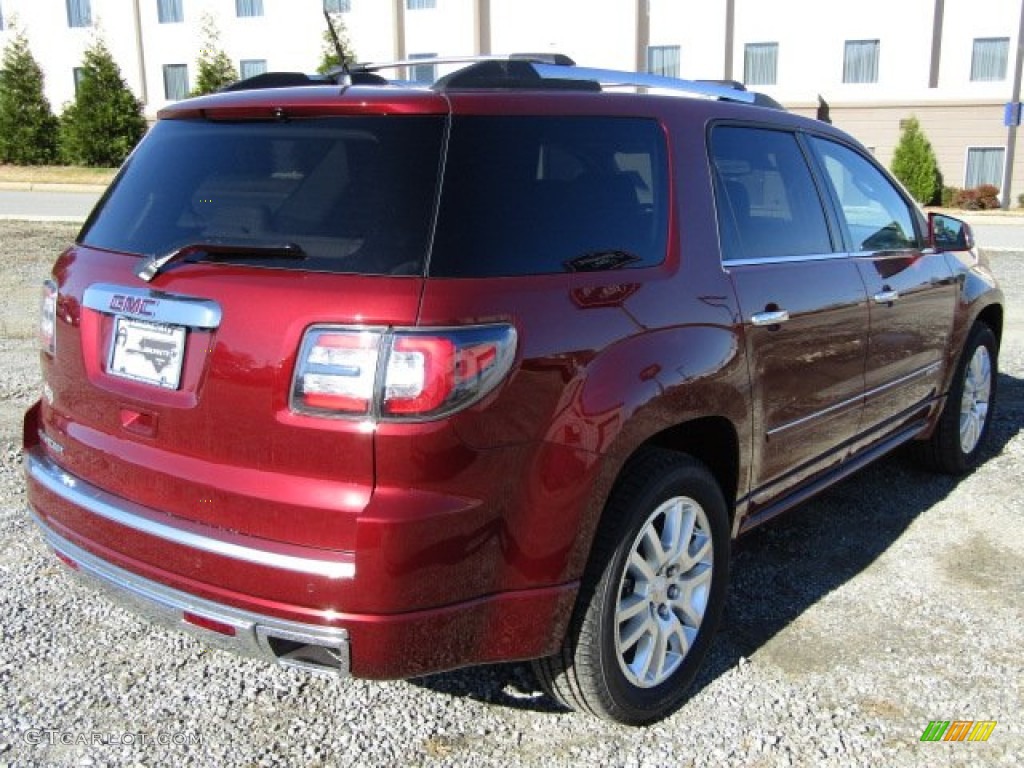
886,297
773,317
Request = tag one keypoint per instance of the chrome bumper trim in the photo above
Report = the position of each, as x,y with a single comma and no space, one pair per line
138,518
325,649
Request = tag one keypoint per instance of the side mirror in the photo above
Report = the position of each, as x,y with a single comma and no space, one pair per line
948,234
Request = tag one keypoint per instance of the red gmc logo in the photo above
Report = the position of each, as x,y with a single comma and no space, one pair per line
132,305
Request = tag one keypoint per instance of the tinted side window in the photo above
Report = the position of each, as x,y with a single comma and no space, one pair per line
534,195
875,215
768,205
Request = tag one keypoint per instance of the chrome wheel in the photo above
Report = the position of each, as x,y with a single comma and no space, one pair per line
663,593
975,401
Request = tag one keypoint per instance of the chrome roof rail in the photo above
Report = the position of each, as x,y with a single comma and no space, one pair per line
614,78
552,59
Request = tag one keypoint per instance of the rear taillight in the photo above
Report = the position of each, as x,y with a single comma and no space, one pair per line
399,374
48,319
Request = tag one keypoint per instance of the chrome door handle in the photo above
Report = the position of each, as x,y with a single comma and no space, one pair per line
886,297
770,317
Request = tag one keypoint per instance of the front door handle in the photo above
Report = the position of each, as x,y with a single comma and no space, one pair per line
770,317
887,296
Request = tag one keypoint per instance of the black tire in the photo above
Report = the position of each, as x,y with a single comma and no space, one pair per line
944,451
593,671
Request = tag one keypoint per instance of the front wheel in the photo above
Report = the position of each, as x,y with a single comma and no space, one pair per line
652,595
956,444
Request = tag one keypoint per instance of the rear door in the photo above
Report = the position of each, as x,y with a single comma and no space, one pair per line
912,294
804,306
176,392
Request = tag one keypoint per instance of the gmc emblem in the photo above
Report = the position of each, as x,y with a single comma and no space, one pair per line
132,305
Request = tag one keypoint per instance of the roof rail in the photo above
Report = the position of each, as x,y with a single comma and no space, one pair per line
619,79
554,59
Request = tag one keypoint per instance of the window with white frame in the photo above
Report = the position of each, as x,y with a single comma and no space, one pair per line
248,7
761,63
420,5
79,13
79,74
251,67
984,166
423,73
988,59
175,81
337,6
1,16
663,60
860,61
170,11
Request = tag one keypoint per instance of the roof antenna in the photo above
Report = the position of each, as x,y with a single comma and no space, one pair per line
342,58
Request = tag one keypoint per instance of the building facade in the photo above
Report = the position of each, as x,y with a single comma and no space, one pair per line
867,67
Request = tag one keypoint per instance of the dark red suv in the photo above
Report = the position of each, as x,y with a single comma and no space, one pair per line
390,380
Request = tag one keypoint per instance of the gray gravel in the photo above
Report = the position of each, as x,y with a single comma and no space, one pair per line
893,600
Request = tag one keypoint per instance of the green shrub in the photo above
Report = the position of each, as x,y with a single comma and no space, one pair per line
1020,200
215,69
329,58
948,194
914,163
28,128
105,121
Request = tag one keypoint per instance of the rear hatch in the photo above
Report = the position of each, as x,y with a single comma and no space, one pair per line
180,314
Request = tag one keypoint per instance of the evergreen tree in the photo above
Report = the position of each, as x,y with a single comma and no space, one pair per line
329,58
28,128
215,68
914,164
105,121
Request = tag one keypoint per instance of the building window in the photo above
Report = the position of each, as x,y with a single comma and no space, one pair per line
169,11
761,63
252,67
984,166
1,17
337,6
423,73
79,13
175,81
79,74
860,62
663,60
248,7
988,61
419,5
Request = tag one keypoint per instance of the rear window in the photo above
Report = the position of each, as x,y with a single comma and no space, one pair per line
356,194
534,195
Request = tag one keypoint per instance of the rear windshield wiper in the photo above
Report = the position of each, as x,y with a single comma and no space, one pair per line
151,266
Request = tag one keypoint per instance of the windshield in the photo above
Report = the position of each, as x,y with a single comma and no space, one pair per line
355,194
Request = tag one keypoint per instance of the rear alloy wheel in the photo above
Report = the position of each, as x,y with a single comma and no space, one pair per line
956,444
652,595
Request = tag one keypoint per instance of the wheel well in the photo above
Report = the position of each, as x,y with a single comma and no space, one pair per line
992,316
713,441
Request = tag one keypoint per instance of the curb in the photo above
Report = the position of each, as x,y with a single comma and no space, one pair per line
34,186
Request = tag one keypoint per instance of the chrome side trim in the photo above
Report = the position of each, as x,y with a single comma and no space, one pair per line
155,306
926,371
138,518
763,260
166,607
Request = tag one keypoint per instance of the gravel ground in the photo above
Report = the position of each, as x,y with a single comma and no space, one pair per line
893,600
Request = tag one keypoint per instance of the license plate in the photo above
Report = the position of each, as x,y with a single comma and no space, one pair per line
147,352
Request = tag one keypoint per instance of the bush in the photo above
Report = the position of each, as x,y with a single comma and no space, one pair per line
983,198
105,121
329,59
215,69
948,194
914,164
28,128
1020,200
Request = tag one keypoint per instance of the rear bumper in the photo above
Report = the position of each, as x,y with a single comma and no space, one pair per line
218,585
